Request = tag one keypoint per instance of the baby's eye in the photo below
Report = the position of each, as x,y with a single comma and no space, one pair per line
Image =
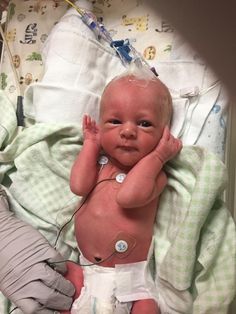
115,121
145,123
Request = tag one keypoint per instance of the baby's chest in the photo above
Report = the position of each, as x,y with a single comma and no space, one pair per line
110,177
104,195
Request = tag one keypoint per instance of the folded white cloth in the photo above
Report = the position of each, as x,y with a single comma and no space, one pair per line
192,101
207,124
77,68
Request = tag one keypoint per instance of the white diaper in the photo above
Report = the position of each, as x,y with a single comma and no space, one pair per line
109,290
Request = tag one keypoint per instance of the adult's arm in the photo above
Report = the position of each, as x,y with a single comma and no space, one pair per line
26,275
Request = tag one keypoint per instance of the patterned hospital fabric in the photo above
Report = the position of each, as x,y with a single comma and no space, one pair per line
29,23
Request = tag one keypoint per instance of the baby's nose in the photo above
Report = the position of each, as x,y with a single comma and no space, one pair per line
128,130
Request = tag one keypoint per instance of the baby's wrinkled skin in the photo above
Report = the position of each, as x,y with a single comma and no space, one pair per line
133,134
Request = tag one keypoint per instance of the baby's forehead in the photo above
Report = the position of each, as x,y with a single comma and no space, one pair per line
130,97
133,81
152,92
130,84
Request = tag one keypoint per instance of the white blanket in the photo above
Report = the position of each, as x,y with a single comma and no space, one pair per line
77,68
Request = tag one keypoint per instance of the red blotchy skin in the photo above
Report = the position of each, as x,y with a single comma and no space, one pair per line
133,134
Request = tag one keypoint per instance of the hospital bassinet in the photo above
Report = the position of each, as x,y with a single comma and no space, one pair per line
201,104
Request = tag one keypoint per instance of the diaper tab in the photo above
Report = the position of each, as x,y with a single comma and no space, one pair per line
133,282
92,283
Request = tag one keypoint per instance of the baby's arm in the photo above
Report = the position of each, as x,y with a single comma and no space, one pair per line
146,180
84,171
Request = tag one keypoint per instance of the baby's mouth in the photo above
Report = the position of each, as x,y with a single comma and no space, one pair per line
127,148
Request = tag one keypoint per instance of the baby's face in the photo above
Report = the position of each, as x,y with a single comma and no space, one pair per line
131,122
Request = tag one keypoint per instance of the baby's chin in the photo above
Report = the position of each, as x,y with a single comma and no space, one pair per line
125,163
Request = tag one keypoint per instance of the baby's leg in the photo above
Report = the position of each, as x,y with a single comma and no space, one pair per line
75,275
147,306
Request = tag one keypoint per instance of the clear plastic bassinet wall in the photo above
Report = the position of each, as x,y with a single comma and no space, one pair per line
230,157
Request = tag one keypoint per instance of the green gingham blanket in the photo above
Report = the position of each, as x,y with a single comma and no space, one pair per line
194,238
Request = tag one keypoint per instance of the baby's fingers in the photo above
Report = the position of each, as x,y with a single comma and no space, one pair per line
176,145
86,121
169,137
166,133
89,123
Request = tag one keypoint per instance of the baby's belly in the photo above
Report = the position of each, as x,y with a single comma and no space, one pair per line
111,235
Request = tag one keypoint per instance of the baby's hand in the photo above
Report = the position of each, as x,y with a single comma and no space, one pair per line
90,129
168,147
